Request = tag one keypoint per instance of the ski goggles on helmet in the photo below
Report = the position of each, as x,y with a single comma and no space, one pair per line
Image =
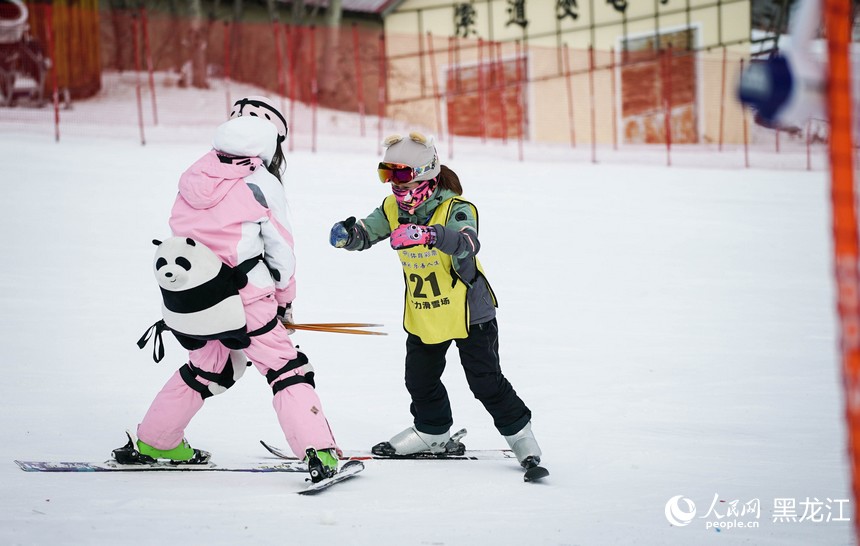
397,173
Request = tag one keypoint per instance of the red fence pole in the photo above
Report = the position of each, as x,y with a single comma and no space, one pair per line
808,146
293,34
381,94
279,61
421,76
315,91
136,41
149,65
492,82
227,30
614,102
746,139
503,106
359,78
437,99
565,57
49,33
722,100
482,95
593,106
666,65
520,124
448,86
284,41
846,247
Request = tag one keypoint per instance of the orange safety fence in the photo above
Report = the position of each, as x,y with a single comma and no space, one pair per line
656,102
846,247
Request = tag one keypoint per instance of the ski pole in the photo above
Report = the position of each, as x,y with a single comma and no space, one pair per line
337,328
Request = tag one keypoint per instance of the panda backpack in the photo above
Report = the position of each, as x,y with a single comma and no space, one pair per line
200,296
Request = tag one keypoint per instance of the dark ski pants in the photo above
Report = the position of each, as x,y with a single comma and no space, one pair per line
479,355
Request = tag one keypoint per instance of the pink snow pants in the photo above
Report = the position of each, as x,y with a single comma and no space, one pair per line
298,407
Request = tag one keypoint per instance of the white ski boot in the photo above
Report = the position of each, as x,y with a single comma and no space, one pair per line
412,442
527,452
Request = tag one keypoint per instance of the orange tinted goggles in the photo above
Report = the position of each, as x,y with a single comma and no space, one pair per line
395,173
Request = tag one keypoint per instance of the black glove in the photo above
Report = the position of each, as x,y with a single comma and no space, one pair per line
341,233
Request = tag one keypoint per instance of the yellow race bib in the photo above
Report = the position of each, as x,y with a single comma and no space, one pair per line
435,306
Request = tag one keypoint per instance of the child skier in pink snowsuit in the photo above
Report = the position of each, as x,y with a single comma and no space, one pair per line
232,201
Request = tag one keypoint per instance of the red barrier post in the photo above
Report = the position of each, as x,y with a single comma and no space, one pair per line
279,61
722,100
293,33
503,106
808,145
282,68
492,82
666,58
571,117
448,86
49,33
520,125
381,97
458,89
593,106
227,30
315,91
421,76
614,102
846,243
744,118
458,73
482,94
437,98
359,78
149,65
136,41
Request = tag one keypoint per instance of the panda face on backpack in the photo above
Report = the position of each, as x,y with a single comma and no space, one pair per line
181,263
200,294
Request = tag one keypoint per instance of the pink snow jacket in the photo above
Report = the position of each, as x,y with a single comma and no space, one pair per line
229,202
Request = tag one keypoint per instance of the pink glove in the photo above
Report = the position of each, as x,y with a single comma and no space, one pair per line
408,235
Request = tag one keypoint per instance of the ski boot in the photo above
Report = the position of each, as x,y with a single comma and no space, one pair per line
527,452
140,452
322,464
413,442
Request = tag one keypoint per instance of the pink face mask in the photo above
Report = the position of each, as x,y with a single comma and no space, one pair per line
409,200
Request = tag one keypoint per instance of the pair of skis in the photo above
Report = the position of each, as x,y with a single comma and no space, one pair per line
352,466
533,471
348,470
455,451
129,459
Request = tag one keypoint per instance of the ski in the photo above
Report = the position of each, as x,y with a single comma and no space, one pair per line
349,470
535,473
113,466
454,451
468,455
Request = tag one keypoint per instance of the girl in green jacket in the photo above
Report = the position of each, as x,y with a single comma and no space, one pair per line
435,234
